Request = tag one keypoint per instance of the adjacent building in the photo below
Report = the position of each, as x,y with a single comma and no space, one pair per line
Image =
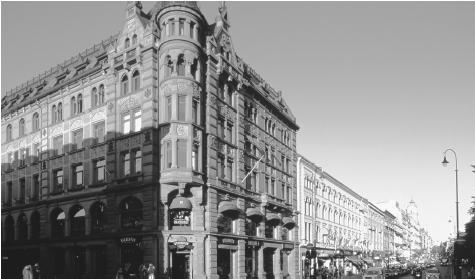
157,147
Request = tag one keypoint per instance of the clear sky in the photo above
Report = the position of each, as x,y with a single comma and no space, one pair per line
379,89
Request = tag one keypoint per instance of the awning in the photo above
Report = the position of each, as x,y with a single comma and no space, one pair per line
272,217
288,222
227,206
180,203
254,212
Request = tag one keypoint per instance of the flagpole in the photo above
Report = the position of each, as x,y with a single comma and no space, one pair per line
255,165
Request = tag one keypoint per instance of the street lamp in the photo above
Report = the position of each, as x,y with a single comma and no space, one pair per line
445,163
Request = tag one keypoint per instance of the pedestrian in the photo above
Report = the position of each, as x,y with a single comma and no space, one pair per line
36,271
27,272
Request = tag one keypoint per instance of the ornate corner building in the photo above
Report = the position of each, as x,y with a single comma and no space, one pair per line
156,146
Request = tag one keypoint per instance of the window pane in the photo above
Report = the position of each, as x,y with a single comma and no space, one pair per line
195,112
126,158
126,124
181,107
168,154
100,170
138,161
194,157
181,145
99,131
137,121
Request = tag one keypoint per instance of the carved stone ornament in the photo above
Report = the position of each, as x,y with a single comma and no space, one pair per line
98,115
128,104
56,130
76,124
148,93
182,130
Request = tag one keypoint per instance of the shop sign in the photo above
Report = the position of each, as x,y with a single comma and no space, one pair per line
181,218
180,244
129,240
253,243
324,246
287,246
229,241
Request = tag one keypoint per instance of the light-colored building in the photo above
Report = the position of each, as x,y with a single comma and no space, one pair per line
160,146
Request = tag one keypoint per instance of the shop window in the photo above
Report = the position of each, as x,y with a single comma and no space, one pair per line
9,228
78,220
99,131
36,122
136,80
124,85
22,224
180,67
58,222
97,217
21,127
35,225
131,214
9,132
58,180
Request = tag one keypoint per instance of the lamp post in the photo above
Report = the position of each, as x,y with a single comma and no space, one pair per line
445,163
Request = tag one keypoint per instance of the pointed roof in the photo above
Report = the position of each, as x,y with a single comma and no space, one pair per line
160,5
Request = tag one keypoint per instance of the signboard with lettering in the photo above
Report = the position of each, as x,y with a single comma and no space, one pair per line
253,243
180,217
130,240
228,241
287,246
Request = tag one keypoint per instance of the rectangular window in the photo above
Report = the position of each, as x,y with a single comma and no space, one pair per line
282,189
137,121
194,157
181,153
229,170
181,27
138,161
289,195
58,145
126,124
78,175
126,163
58,180
195,111
36,186
192,27
221,128
229,133
282,162
169,108
168,154
181,107
99,170
23,156
99,131
22,189
221,166
272,189
267,185
9,192
77,139
36,151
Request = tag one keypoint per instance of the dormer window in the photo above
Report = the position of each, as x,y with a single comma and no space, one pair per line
134,39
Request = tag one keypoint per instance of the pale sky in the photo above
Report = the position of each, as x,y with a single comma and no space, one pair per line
379,89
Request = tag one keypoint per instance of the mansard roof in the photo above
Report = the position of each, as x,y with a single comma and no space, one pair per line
56,76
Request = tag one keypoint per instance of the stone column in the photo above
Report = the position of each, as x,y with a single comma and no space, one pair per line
260,263
199,258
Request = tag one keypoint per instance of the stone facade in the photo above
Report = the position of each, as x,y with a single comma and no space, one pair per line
157,146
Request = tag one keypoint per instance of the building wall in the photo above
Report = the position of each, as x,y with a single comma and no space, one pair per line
194,173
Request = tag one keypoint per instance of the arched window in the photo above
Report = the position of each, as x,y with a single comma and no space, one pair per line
54,112
194,68
97,217
95,97
21,125
127,43
9,132
181,65
35,225
77,216
58,221
131,214
60,112
225,223
134,39
22,224
80,103
124,85
136,80
9,228
36,122
101,95
74,106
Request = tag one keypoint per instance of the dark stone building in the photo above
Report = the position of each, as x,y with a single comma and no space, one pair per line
156,146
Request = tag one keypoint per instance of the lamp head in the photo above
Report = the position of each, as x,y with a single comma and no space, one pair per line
445,162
